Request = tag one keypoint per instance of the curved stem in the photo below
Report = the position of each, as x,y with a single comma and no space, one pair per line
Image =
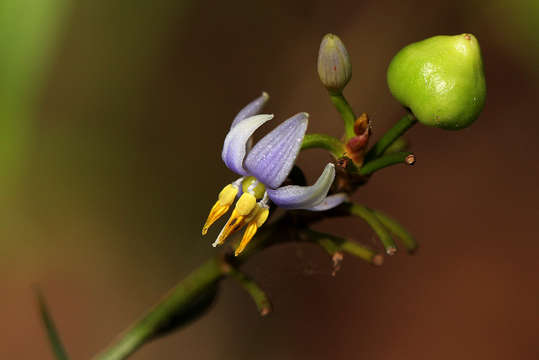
407,239
181,304
371,219
323,141
389,137
334,244
260,298
387,160
180,297
346,112
400,144
54,339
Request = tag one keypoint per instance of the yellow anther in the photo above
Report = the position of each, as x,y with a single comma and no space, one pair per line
262,216
254,224
242,212
245,204
234,223
247,236
221,206
228,194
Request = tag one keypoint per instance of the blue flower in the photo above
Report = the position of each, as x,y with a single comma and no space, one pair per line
263,169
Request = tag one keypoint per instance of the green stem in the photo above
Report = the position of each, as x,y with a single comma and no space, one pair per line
371,219
401,144
346,112
54,338
334,244
260,298
387,160
193,286
397,229
185,301
323,141
389,137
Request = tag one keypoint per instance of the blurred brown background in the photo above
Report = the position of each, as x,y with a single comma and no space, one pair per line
110,166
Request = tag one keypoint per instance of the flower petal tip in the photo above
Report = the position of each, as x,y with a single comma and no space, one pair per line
235,146
253,108
330,202
304,197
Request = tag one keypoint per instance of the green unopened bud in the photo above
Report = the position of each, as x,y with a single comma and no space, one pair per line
334,66
440,80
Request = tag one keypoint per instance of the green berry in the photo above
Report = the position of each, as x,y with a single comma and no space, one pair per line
440,80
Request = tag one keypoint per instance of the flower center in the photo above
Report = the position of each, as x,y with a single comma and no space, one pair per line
251,185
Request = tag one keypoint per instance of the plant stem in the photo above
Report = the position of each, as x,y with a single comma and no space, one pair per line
371,219
323,141
333,244
181,304
180,297
260,298
52,333
397,229
387,160
346,112
389,137
400,144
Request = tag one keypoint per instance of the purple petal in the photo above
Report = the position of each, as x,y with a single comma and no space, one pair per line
253,108
272,158
304,197
330,202
234,148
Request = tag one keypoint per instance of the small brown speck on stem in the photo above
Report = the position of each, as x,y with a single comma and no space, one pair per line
337,262
378,259
265,311
410,159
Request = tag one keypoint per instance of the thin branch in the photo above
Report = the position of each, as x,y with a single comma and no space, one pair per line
387,160
181,297
371,219
335,245
407,239
400,144
185,301
391,136
323,141
258,295
346,112
52,333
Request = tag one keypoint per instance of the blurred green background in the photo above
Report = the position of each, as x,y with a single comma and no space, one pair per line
112,117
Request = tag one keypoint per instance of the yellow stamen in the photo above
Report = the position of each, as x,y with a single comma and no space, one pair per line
221,206
256,222
262,216
247,236
245,205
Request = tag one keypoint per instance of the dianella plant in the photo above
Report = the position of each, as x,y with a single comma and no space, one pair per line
440,83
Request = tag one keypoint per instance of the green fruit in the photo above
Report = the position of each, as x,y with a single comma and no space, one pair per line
440,80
